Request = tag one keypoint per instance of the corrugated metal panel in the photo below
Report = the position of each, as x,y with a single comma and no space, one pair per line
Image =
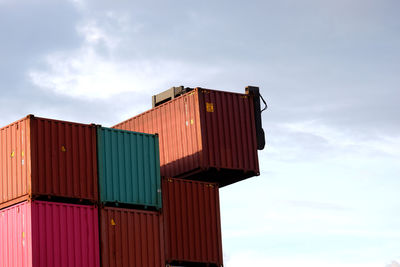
15,154
64,159
229,134
16,236
130,238
129,167
65,235
178,126
48,157
36,234
204,134
192,222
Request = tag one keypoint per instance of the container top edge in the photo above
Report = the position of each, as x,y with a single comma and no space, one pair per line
91,125
17,121
126,131
195,90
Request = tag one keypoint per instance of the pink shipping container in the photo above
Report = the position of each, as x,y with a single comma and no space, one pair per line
44,157
204,135
192,223
48,234
131,238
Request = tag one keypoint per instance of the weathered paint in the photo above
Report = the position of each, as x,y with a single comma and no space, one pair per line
40,234
131,238
129,167
192,225
47,157
204,134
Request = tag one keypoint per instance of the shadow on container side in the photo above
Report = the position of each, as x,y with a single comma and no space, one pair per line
191,220
206,134
220,176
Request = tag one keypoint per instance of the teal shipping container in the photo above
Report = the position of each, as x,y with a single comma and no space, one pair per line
128,168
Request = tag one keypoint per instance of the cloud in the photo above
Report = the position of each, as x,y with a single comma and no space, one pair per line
87,74
257,259
303,140
393,264
93,34
97,74
126,45
330,75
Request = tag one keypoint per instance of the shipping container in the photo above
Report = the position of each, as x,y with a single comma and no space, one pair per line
192,225
44,234
131,238
44,157
204,135
129,167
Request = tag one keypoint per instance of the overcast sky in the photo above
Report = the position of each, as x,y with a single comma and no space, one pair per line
328,193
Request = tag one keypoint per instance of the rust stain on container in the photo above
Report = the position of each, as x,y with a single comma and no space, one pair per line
47,157
192,225
204,134
131,238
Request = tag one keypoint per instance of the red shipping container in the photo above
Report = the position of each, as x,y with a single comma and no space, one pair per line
192,223
204,134
47,234
47,157
131,238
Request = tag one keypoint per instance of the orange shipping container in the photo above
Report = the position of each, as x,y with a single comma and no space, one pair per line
44,157
130,238
192,223
204,135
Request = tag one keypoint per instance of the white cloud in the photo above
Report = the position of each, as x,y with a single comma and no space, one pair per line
93,34
87,73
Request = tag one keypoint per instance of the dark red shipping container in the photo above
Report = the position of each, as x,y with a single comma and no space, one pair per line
44,157
131,238
192,225
204,135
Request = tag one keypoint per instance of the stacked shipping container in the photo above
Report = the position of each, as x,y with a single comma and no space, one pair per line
45,159
57,160
129,176
131,237
204,135
191,218
129,168
41,234
42,157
